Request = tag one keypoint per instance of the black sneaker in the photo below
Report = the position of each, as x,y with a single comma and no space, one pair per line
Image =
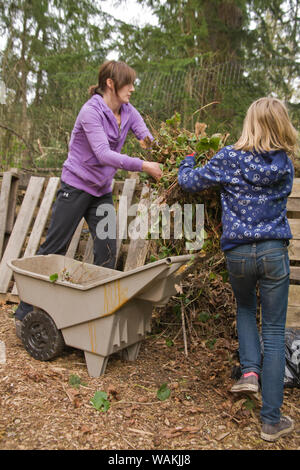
22,310
20,313
272,432
18,325
246,385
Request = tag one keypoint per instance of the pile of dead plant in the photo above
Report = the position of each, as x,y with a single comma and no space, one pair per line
204,302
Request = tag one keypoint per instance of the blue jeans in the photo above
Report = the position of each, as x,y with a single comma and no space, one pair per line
264,264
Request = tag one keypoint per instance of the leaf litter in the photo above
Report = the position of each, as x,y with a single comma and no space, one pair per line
47,405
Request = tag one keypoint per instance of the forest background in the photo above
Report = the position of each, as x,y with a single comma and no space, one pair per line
221,53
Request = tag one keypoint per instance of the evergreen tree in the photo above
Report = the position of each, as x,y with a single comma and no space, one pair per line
275,47
187,30
47,44
257,40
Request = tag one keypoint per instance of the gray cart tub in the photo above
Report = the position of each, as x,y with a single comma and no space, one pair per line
95,309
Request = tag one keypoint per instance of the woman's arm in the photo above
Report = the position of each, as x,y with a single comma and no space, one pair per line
138,126
98,141
99,144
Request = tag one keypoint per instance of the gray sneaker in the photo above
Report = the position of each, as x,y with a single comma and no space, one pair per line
18,325
246,385
272,432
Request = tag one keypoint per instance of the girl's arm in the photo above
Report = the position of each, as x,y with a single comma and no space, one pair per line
196,179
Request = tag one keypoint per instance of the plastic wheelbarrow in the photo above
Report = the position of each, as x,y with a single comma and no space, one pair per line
95,309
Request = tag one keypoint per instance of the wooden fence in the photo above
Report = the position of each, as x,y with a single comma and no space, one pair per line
24,223
293,207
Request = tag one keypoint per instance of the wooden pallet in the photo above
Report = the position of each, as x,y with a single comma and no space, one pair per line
8,197
29,227
293,207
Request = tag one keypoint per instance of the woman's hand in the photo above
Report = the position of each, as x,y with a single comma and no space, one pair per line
145,143
153,169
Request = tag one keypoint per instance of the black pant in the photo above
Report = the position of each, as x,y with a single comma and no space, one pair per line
70,206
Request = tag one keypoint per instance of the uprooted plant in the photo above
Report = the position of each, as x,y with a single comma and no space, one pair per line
205,288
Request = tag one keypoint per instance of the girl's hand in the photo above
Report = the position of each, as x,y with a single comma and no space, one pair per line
153,169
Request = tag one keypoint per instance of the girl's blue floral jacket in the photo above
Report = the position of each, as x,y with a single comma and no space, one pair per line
254,190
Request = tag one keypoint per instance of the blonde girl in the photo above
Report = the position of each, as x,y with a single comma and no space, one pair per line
255,177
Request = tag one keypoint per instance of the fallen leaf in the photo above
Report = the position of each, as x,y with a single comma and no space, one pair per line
139,431
35,376
111,390
128,413
174,385
85,429
195,409
73,396
142,399
170,435
237,406
200,128
222,436
77,402
156,441
192,429
174,432
178,288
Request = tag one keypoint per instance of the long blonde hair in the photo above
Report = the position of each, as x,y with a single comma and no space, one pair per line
267,127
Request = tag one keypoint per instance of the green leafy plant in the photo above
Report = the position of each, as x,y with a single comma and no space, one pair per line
249,404
174,121
100,401
53,277
172,143
211,343
204,317
75,381
163,392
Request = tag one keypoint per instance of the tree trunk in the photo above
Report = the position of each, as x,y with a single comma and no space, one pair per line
25,125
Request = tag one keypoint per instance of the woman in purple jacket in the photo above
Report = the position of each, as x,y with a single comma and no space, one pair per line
94,156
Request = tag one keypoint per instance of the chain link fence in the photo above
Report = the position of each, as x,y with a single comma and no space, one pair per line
217,94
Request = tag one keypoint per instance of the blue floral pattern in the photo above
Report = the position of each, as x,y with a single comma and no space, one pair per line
254,190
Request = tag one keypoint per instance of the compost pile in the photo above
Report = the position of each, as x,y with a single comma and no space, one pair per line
204,296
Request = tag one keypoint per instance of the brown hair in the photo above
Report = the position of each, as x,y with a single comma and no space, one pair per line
120,73
267,127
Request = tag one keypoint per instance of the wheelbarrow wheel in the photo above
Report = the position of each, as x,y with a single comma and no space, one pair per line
40,336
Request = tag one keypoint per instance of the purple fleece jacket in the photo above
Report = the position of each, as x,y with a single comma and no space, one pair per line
96,141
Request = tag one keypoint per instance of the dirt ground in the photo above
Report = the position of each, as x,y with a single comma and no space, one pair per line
43,409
